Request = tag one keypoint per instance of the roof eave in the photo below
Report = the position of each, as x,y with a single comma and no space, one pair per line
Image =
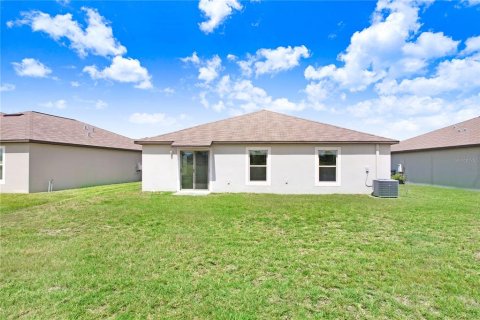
142,142
66,144
436,148
307,142
174,144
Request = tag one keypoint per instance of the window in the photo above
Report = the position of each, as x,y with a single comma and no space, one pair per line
2,164
327,165
258,166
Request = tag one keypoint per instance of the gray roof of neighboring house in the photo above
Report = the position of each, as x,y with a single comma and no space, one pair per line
263,127
32,126
462,134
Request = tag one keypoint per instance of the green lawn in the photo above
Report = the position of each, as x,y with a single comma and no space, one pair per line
115,252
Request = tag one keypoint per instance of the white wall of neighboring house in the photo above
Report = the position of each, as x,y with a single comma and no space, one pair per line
15,168
30,166
74,167
293,169
455,167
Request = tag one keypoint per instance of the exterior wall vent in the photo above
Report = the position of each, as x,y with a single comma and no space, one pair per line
385,188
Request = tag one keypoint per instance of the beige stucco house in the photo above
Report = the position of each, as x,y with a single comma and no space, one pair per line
265,152
447,157
39,152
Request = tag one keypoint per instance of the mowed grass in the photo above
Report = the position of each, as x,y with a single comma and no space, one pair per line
115,252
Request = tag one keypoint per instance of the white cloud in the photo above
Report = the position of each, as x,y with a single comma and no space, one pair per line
7,87
317,92
417,55
203,99
216,11
168,91
431,45
405,106
97,38
59,104
279,59
29,67
152,118
472,45
410,115
75,84
471,2
246,66
403,63
232,57
97,104
451,75
219,106
100,104
210,70
193,58
420,79
124,70
271,61
243,96
374,49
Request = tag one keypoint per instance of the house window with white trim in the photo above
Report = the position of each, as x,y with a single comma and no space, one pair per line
327,163
258,166
2,164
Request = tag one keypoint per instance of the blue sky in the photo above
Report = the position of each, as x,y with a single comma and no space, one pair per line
393,68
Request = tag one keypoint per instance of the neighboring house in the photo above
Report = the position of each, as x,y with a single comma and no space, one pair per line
265,152
447,157
38,150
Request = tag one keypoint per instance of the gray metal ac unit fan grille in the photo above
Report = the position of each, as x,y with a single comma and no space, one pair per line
385,188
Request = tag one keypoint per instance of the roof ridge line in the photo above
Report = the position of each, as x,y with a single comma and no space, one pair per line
51,115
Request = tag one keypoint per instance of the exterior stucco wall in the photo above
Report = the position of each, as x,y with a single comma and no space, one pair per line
159,168
16,164
459,167
74,167
292,168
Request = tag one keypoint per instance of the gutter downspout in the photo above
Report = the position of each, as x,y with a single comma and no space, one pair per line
377,156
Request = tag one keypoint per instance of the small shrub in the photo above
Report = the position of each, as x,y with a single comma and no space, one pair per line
400,177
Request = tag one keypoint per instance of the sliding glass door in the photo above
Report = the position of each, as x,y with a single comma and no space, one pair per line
186,169
194,169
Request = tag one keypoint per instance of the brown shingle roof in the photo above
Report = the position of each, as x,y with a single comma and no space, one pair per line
465,133
261,127
34,126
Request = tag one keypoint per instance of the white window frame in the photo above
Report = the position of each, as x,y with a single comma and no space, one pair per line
338,166
247,166
2,150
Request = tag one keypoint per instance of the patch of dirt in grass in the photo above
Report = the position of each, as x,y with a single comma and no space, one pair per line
477,255
469,301
316,306
98,311
404,301
274,299
230,268
58,232
56,289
